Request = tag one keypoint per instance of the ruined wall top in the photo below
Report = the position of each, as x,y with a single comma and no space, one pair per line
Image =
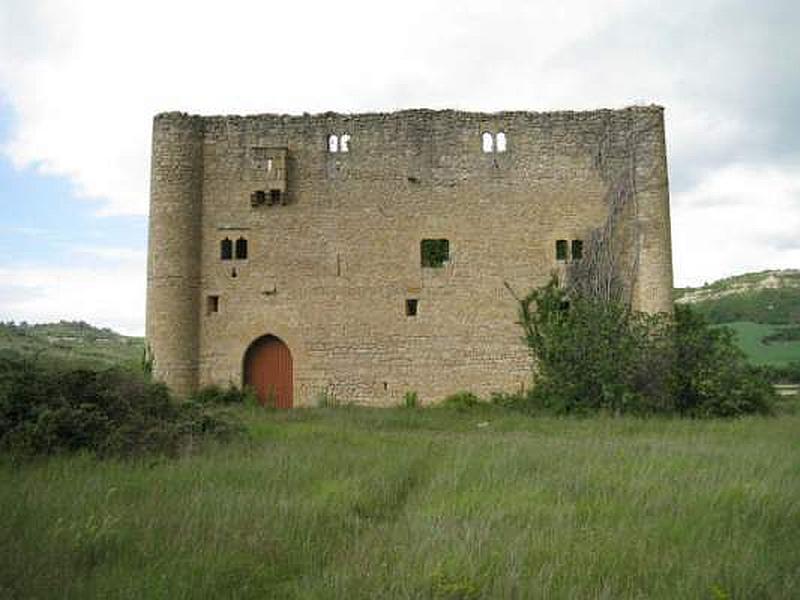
418,114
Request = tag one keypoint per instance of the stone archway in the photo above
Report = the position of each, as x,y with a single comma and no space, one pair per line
268,371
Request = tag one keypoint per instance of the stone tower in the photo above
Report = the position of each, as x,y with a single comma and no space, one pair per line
364,256
174,265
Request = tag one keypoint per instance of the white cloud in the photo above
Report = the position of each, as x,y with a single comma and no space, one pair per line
740,218
108,296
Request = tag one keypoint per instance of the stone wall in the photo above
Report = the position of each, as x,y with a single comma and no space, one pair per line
331,265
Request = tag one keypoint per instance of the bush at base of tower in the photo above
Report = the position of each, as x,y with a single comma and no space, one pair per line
592,355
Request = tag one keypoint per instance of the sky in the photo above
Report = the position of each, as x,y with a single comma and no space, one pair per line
80,81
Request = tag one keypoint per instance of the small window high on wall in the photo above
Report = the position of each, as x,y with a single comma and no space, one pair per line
501,142
487,142
339,143
241,248
494,143
226,249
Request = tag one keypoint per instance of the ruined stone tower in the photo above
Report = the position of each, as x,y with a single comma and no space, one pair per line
359,257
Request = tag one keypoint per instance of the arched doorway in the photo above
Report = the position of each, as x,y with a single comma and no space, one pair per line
268,370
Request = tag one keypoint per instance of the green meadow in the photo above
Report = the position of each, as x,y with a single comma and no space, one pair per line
418,503
750,338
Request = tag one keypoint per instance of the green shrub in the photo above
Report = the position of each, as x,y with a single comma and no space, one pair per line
789,373
508,400
592,355
710,376
462,400
410,399
109,413
324,398
214,394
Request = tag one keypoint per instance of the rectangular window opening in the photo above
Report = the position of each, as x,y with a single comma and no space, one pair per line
434,253
577,249
561,250
274,196
241,248
212,304
411,307
226,249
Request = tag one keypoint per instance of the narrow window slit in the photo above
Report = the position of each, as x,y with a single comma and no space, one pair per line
487,142
562,250
226,249
501,142
577,249
241,248
333,143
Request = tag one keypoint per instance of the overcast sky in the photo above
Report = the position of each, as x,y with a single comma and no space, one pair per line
80,81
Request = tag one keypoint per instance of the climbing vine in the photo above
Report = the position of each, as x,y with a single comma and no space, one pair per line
611,253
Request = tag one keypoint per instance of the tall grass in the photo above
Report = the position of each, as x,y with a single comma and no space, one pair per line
360,503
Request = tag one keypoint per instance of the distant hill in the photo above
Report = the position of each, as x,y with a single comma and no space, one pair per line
770,297
70,343
763,308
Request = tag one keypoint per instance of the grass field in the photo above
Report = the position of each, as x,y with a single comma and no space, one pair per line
749,336
429,503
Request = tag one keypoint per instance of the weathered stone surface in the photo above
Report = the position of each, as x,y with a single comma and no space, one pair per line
331,264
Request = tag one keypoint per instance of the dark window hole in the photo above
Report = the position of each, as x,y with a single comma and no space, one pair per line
562,250
241,248
226,249
434,253
577,249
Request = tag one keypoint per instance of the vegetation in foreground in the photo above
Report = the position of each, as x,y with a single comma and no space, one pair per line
596,354
110,412
418,503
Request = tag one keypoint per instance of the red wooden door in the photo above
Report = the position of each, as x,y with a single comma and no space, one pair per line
268,370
